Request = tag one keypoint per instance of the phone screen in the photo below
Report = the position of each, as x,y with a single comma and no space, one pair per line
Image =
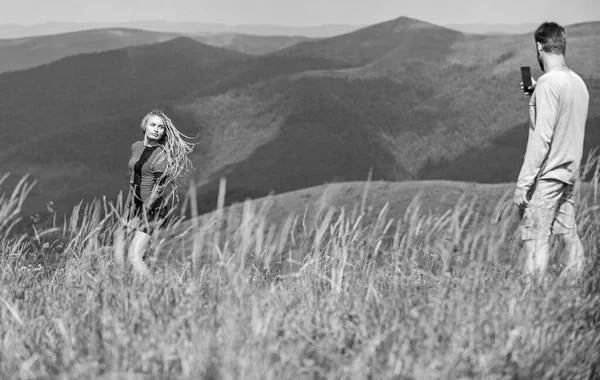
526,78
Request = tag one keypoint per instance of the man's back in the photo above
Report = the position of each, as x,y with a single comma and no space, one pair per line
559,109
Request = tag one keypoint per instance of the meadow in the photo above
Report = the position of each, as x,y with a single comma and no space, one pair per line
350,292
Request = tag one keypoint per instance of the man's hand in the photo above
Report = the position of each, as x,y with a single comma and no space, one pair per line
520,197
529,91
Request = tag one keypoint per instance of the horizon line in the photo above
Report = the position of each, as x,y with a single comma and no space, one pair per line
280,25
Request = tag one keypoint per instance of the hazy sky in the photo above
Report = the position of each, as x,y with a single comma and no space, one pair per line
300,12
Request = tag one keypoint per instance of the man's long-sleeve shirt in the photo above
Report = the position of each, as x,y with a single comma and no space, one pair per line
558,112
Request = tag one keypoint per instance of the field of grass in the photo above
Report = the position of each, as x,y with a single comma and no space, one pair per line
355,290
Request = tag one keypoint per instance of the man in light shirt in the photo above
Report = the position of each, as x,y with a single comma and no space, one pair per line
558,111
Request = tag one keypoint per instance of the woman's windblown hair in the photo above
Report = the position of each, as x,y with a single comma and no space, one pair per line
176,150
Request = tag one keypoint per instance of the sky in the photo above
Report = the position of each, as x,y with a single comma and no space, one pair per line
300,12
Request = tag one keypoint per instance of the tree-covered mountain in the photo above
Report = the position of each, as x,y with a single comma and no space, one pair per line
28,52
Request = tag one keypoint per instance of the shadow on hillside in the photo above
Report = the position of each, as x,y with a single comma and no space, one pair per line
326,139
303,155
501,160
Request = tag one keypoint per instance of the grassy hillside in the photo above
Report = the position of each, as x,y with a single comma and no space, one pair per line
24,53
250,44
435,197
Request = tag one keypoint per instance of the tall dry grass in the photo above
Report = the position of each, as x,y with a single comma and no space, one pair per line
349,293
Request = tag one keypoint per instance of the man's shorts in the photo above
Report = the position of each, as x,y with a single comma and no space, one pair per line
550,211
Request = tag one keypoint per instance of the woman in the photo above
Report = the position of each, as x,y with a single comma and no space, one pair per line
157,162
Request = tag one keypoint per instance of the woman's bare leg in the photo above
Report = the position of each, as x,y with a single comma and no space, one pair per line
136,253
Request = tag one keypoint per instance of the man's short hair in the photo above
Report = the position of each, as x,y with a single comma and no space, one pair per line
552,37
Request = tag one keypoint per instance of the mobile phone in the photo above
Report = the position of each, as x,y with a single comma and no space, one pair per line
526,78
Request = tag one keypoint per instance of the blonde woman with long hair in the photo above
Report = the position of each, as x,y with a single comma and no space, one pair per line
157,162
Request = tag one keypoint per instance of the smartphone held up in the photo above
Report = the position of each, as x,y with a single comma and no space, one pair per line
526,79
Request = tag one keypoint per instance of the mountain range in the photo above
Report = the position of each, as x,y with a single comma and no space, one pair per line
190,28
27,52
23,53
250,43
402,100
498,29
187,28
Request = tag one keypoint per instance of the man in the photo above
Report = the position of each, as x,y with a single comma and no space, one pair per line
558,111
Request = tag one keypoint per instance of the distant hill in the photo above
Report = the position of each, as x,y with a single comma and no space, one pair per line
189,28
317,31
496,29
250,44
103,86
402,38
24,53
404,100
504,29
19,31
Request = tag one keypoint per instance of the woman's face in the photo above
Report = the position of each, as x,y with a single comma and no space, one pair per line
155,128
